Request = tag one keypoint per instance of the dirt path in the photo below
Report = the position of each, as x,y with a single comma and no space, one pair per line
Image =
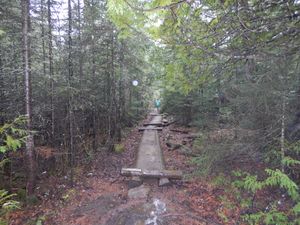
100,196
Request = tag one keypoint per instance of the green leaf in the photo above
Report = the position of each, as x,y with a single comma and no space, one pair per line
3,149
12,143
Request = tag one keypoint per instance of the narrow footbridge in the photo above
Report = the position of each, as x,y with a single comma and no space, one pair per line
150,162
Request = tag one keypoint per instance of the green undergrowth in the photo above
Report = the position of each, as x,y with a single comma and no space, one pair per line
12,137
267,195
271,200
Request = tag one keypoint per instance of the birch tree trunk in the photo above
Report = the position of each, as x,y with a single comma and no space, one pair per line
26,69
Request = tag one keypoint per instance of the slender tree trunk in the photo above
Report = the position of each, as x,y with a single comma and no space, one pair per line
94,76
26,67
108,93
80,44
70,111
50,58
2,108
120,105
113,91
282,137
43,41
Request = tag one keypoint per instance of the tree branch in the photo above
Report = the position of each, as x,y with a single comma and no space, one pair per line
155,8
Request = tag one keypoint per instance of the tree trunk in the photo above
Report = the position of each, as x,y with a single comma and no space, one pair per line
282,137
2,108
26,68
80,44
43,43
120,104
113,90
94,77
50,57
70,103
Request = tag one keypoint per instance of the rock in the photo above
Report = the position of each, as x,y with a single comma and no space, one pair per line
138,192
173,146
164,182
134,182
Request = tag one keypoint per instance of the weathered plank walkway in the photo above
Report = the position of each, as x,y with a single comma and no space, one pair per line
149,153
150,161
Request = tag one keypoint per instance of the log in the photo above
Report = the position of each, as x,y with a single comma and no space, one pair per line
172,174
179,131
153,124
150,128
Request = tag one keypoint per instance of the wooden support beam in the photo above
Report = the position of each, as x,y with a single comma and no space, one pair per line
172,174
150,128
153,124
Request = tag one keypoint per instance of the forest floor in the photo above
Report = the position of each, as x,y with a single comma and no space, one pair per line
100,193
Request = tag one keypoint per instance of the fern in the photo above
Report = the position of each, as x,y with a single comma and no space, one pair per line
288,161
253,219
13,137
252,184
278,178
274,217
6,201
275,178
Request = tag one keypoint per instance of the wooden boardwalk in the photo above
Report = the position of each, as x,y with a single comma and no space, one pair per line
149,152
150,162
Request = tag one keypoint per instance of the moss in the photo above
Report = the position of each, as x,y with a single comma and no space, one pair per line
119,148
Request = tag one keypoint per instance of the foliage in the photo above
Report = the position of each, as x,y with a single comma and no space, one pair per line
277,179
119,148
223,64
13,135
6,201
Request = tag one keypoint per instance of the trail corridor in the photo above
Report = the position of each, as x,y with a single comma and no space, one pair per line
102,196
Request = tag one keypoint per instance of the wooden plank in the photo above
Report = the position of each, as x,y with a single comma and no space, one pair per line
153,124
155,114
150,128
172,174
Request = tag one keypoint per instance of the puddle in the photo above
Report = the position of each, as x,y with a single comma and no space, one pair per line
160,207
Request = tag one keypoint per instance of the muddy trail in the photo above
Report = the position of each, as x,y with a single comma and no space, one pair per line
102,196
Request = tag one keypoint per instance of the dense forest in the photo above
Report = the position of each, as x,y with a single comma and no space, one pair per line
226,71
